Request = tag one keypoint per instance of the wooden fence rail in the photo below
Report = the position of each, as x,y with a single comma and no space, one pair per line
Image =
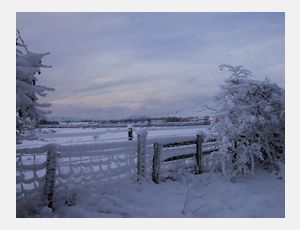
198,155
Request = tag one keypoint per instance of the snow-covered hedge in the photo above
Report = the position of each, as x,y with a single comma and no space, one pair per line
250,119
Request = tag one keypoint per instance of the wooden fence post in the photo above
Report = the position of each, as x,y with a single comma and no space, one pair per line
130,134
50,174
141,152
156,163
199,155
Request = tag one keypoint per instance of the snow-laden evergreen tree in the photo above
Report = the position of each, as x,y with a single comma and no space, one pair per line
28,65
250,119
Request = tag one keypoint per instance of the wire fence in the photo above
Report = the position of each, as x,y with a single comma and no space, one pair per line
77,167
46,174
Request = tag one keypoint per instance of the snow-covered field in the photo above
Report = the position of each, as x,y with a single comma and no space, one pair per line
186,195
68,136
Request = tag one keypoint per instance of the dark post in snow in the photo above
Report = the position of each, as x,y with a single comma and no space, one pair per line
130,136
141,151
156,163
50,174
199,155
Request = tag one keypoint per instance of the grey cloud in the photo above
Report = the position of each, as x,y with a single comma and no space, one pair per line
151,63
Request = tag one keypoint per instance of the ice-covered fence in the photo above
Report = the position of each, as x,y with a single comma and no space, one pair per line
51,171
31,167
74,167
141,152
99,163
188,149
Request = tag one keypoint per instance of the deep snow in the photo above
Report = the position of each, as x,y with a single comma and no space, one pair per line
203,196
207,195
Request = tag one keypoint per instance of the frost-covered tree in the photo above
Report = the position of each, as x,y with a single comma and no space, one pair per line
28,65
250,119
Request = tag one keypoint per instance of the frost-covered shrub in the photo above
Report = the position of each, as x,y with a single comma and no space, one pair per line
250,119
28,64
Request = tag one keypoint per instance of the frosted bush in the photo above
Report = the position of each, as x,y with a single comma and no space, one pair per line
250,119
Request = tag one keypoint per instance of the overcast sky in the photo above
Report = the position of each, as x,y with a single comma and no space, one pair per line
116,65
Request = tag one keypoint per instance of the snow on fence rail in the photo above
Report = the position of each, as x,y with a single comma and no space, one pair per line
50,171
191,148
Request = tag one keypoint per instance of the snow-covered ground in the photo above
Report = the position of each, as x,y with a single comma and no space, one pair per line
201,196
207,195
67,136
